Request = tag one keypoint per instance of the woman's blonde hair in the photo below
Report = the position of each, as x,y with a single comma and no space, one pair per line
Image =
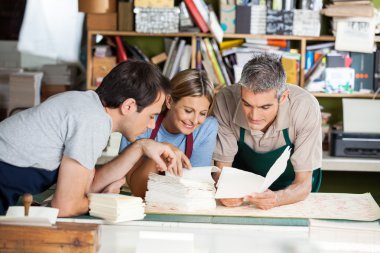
192,83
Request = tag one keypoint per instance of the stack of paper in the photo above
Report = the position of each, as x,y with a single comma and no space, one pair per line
116,207
195,190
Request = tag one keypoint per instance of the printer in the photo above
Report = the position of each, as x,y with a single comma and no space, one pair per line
364,145
361,125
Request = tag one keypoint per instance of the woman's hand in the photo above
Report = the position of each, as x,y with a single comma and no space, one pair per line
182,160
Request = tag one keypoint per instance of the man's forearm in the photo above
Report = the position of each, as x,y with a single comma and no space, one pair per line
220,165
297,191
117,168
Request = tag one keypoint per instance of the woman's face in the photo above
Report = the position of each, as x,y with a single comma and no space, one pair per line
187,114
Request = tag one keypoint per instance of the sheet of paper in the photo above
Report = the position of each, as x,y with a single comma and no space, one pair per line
276,170
339,206
201,174
236,183
355,121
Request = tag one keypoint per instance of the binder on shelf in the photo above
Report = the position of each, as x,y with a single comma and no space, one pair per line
220,61
121,54
125,16
197,16
214,61
177,59
363,64
171,56
243,19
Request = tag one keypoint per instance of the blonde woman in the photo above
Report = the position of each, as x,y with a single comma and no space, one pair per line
184,123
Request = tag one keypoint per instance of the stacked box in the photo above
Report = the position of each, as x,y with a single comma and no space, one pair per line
306,23
157,20
154,3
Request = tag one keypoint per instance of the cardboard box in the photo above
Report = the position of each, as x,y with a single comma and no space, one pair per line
107,21
97,6
125,16
101,67
228,17
154,3
48,90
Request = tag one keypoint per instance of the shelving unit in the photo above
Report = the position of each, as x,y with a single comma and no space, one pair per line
303,41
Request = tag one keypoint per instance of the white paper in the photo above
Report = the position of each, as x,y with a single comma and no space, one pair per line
236,183
355,35
201,174
38,216
361,115
52,29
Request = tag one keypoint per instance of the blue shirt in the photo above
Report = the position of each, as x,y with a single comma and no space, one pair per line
203,146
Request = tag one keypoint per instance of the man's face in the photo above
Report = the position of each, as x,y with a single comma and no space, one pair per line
138,122
260,109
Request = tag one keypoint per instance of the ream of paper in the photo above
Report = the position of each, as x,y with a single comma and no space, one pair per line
236,183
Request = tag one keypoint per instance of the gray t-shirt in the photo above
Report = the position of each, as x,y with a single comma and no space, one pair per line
72,124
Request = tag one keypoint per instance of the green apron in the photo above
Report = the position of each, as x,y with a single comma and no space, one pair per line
260,163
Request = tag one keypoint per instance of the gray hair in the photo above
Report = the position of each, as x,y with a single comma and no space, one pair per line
264,72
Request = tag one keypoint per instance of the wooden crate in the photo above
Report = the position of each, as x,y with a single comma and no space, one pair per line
62,237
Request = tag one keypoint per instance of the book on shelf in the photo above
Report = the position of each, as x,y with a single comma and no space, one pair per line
194,190
320,46
196,15
171,56
214,61
185,61
179,54
220,62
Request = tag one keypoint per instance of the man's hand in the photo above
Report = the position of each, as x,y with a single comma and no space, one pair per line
182,160
161,154
265,200
232,202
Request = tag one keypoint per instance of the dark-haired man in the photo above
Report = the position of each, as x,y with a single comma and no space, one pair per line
60,140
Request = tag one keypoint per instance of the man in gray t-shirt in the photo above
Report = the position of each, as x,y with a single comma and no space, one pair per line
60,140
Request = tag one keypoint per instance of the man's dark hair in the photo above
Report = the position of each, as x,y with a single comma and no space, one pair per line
139,80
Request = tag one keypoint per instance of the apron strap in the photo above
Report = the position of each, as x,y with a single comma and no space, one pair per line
160,118
189,145
189,138
242,133
286,137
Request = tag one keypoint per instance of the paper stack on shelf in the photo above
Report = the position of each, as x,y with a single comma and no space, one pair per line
195,190
116,207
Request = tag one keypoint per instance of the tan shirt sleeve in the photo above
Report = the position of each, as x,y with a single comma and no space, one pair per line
226,139
306,118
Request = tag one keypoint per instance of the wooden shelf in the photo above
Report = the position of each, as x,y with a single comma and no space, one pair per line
339,95
330,163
